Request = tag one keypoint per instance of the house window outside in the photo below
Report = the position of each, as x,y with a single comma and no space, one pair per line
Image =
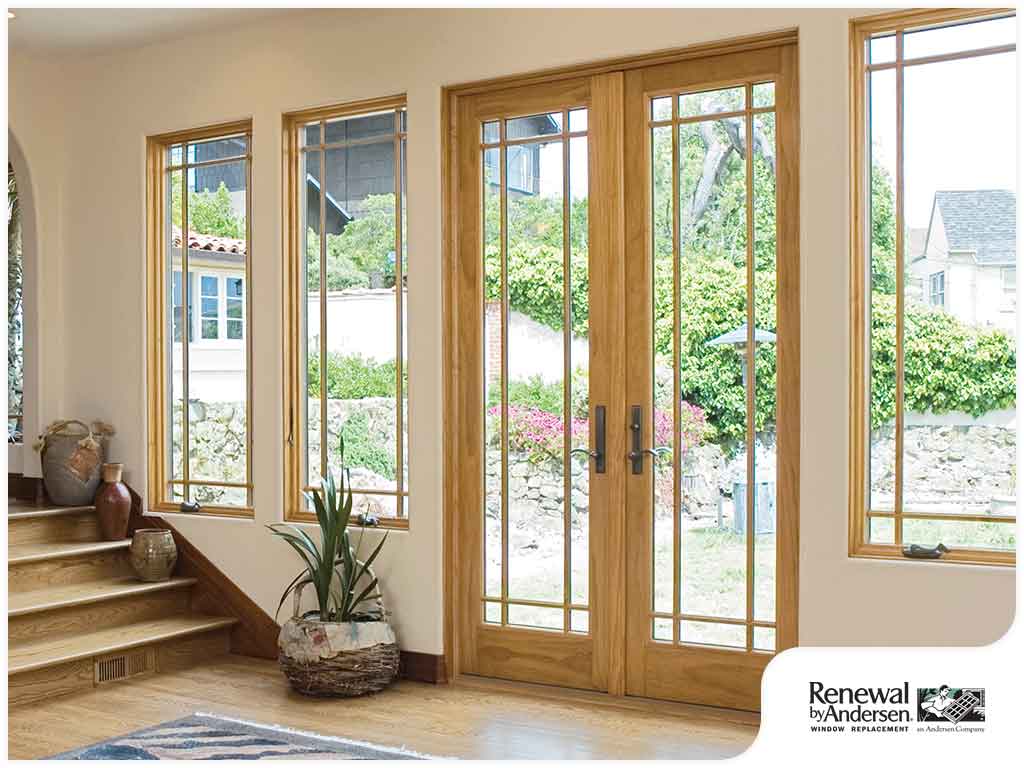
348,351
209,303
937,289
234,306
1009,275
932,87
199,392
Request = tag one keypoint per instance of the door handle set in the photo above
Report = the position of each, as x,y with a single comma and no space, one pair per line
636,455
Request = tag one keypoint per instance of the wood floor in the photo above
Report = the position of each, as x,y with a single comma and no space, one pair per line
469,719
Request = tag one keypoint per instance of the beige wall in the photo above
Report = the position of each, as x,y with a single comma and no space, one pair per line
109,105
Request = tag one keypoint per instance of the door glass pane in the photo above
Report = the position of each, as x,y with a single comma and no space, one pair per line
493,354
764,639
534,125
664,370
765,349
535,616
579,365
710,102
708,633
536,362
713,315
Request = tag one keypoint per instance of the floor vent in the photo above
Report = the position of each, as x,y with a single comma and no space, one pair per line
121,666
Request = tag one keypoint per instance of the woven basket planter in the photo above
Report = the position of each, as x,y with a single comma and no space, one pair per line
337,659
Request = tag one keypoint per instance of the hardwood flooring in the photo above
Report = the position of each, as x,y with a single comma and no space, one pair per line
471,719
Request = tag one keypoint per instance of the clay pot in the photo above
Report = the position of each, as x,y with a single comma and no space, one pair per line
153,554
113,504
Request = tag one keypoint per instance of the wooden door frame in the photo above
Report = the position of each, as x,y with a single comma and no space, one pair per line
451,97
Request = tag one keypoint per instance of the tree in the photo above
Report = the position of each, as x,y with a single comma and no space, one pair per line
363,254
209,213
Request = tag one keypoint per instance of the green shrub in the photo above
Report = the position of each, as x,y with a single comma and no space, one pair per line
363,450
352,377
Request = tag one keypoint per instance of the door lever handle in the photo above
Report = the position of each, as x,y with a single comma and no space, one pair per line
636,456
599,452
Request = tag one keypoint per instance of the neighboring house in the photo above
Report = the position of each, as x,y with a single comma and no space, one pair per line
523,160
967,262
359,320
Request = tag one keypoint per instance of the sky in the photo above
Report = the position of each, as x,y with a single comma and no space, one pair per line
960,127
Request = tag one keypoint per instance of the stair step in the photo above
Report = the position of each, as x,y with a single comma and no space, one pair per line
26,657
22,511
36,525
18,554
40,600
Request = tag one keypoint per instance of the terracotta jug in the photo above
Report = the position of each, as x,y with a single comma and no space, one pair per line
113,504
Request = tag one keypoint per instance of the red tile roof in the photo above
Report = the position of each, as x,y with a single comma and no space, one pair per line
199,242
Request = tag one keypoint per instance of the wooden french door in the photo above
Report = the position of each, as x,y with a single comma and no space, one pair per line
713,384
540,314
604,231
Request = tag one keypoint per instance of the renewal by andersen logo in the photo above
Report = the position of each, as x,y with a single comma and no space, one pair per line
860,709
892,710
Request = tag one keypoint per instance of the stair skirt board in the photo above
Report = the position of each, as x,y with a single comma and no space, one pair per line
82,674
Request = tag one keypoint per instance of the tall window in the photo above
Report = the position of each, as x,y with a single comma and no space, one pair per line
934,232
15,323
200,411
347,295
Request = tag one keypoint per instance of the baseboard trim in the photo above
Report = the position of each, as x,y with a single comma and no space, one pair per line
22,488
422,667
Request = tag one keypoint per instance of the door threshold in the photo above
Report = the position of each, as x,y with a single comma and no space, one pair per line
689,712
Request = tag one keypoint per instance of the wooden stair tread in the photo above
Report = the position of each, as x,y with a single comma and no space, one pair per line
19,604
22,511
29,553
26,657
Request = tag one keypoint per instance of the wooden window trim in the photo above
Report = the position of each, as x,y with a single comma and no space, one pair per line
293,252
861,29
156,368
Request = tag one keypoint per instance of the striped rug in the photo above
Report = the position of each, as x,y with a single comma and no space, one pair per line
210,737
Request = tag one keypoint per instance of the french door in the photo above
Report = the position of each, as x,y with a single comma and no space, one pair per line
623,404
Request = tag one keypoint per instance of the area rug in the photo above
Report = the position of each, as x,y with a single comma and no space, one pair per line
211,737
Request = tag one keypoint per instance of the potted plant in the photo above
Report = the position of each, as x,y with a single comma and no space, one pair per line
345,646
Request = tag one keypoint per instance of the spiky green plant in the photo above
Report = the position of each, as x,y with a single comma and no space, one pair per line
345,585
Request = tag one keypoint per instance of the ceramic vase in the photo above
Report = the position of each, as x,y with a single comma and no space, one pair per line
113,504
153,554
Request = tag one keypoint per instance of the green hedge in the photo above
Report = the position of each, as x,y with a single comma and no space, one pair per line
352,377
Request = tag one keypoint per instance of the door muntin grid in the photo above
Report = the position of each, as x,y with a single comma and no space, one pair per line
713,218
534,202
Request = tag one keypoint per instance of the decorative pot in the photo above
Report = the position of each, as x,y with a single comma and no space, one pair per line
153,554
113,504
71,453
322,658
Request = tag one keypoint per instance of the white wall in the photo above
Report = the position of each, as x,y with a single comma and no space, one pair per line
111,103
37,150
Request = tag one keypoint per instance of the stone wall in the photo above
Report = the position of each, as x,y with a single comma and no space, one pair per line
948,467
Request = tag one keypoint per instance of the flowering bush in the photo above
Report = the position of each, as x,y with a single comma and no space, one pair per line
539,433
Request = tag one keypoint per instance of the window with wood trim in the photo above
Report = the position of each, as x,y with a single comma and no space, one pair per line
933,431
199,382
346,262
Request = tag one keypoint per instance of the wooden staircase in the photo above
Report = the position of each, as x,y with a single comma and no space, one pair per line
77,616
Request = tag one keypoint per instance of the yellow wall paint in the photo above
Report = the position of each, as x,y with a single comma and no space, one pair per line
88,141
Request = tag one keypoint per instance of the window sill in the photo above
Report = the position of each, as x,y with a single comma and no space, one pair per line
955,556
384,523
230,513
